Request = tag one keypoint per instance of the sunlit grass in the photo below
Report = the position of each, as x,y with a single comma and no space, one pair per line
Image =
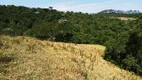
124,18
25,58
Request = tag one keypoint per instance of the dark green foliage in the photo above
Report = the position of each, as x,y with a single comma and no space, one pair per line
123,39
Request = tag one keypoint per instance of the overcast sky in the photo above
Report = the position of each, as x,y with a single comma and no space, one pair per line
89,6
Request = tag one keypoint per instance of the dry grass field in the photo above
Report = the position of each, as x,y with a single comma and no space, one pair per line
125,18
25,58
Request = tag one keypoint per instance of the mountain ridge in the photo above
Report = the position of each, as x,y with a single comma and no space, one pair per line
121,11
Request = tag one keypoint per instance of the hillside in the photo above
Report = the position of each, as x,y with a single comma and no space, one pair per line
25,58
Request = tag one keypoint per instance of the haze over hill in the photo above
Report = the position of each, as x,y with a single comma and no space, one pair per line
120,11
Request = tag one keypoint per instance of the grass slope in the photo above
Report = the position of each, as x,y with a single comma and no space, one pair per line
25,58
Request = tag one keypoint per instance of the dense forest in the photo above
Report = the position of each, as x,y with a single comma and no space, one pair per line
123,39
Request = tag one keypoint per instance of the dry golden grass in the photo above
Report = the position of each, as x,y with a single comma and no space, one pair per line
32,59
125,18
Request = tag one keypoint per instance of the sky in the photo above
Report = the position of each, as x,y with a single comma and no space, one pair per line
85,6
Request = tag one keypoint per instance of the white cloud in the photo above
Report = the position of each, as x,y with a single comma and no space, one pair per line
76,8
96,7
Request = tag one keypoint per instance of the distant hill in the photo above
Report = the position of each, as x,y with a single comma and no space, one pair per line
121,11
25,58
